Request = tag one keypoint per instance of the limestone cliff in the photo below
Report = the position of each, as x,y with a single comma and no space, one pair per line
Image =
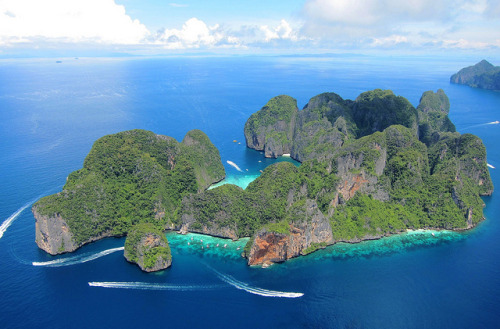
52,234
308,231
271,129
433,116
326,123
204,157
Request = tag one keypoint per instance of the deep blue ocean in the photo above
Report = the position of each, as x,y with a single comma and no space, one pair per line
51,113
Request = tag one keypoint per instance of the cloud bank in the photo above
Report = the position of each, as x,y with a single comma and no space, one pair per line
320,24
103,22
465,24
99,21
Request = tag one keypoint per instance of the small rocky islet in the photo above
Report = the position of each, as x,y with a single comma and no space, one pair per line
147,246
370,167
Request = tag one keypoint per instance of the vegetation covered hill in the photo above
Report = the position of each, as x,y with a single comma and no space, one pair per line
130,177
482,75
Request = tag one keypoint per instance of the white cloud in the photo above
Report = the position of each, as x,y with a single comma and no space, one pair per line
195,34
474,24
467,44
53,23
370,12
282,31
389,41
324,24
101,21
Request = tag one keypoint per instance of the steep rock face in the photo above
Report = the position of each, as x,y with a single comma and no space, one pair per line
324,124
314,135
213,228
147,247
271,129
205,158
359,166
214,212
52,234
482,75
433,116
464,158
308,231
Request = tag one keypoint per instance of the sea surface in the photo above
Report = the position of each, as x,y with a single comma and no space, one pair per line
51,113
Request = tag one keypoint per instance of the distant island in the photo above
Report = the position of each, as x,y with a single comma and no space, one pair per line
370,168
482,75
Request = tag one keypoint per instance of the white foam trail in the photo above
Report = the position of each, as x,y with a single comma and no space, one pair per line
491,166
483,124
79,259
231,163
256,291
12,217
151,286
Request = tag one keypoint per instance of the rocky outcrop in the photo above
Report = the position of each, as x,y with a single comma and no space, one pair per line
148,247
309,231
433,116
190,224
482,75
326,123
464,158
205,158
53,234
213,212
271,129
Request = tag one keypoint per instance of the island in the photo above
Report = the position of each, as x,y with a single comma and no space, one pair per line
370,167
147,246
482,75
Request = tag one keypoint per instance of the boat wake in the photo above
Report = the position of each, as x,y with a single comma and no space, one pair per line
16,214
484,124
12,217
254,290
79,259
231,163
152,286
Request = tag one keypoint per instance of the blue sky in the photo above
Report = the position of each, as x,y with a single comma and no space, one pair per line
150,27
160,14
